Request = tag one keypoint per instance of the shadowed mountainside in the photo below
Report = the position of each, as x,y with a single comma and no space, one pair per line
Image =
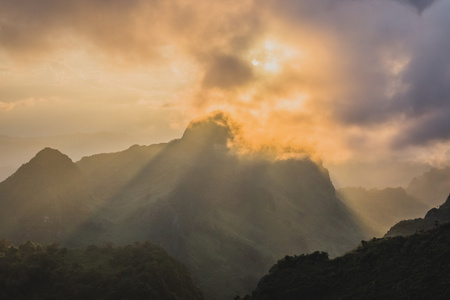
45,200
381,208
432,186
433,218
227,216
413,267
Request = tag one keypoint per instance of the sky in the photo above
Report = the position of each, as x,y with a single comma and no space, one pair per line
361,85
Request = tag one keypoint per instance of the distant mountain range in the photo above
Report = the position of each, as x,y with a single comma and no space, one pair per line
227,216
432,186
382,208
432,219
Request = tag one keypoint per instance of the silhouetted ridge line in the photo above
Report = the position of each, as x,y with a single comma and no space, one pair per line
413,267
433,218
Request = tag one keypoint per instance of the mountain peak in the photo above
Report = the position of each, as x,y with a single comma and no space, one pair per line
51,154
215,128
47,163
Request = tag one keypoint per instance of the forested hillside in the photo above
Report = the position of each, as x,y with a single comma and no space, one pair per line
138,271
413,267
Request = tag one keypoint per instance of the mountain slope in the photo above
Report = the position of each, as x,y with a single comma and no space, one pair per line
138,271
432,186
45,200
414,267
381,208
227,216
433,218
108,173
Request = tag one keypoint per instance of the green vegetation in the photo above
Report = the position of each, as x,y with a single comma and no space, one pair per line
139,271
413,267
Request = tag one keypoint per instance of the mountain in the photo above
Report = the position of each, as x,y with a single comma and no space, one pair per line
15,150
381,208
432,186
433,218
228,215
108,173
413,267
45,200
138,271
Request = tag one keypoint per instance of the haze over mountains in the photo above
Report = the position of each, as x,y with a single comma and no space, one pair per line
16,150
226,213
228,216
433,218
45,200
397,267
381,208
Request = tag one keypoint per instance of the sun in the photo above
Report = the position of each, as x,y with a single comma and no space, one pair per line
270,56
272,66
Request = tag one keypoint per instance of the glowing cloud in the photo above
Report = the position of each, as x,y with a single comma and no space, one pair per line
333,78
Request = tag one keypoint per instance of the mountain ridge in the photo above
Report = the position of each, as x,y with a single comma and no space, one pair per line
44,199
433,218
210,206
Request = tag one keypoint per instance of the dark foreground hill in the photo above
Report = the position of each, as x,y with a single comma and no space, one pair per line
413,267
139,271
433,218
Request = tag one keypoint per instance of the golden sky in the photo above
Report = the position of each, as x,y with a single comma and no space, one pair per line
345,80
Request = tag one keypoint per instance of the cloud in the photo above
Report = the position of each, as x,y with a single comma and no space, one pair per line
333,77
420,5
226,72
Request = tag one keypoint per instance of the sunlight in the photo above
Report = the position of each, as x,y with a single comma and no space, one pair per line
272,66
292,104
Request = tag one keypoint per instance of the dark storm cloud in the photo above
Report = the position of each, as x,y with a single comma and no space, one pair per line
369,39
226,72
434,127
426,103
